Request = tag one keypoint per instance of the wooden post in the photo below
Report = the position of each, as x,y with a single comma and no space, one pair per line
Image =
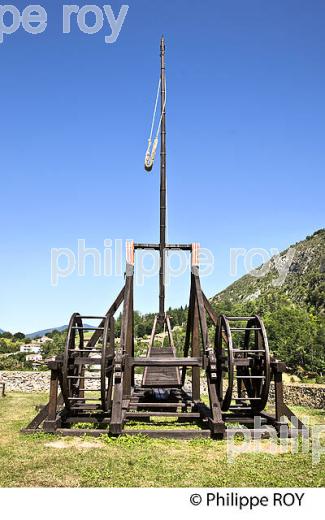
196,353
278,390
189,327
115,426
51,423
162,244
216,423
127,340
195,328
82,374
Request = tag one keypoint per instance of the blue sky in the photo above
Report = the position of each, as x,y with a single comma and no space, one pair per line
245,123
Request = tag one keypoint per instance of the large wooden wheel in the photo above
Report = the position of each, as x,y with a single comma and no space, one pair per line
71,372
107,364
243,357
87,361
225,362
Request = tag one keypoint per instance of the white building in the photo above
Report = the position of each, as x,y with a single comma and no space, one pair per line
34,357
32,348
43,339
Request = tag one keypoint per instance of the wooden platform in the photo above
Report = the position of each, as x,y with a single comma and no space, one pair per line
161,377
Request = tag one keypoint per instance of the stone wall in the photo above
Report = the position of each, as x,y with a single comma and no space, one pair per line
312,396
299,394
25,381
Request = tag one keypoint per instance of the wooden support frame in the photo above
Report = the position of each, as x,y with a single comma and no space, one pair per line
49,414
126,404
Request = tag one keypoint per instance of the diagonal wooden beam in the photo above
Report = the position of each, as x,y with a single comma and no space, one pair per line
111,311
42,415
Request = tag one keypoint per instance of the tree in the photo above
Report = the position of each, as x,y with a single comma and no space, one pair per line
54,347
6,335
19,335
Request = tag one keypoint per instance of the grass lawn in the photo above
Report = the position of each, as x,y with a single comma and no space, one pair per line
43,460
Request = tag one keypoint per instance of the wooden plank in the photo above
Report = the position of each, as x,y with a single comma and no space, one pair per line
116,424
157,405
86,407
166,361
87,419
172,346
117,410
165,375
216,422
151,344
195,353
201,308
127,329
210,310
183,247
242,419
83,360
243,362
188,415
189,328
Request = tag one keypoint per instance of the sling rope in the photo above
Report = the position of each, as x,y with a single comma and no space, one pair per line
152,146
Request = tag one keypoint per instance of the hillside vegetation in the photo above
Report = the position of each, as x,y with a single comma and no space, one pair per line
291,303
301,279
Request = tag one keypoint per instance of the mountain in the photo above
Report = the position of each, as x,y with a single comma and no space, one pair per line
296,275
40,333
1,331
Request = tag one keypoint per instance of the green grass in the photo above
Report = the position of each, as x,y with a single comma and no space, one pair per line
31,460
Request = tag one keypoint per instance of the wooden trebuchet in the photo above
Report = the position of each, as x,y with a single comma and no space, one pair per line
101,381
94,381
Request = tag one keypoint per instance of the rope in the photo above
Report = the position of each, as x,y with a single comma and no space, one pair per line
152,148
163,110
155,110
